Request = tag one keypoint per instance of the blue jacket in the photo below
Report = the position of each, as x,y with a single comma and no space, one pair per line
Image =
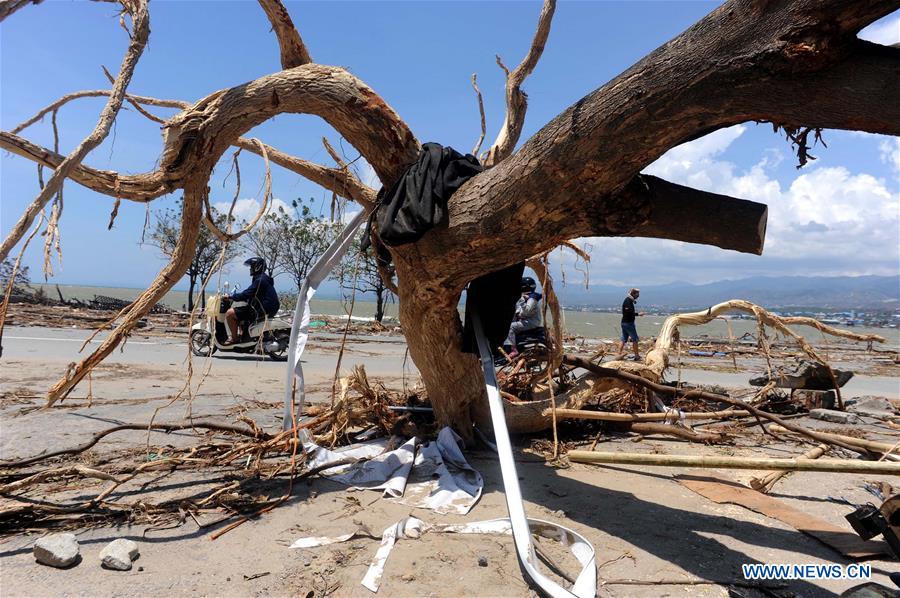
262,288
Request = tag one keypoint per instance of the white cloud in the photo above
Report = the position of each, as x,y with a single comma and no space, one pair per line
826,221
885,32
246,209
890,154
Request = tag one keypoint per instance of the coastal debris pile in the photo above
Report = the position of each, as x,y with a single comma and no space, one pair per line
235,468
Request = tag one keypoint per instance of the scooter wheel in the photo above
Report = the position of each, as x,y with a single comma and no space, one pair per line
201,343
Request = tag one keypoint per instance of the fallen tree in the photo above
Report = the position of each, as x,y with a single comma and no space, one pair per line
534,416
796,64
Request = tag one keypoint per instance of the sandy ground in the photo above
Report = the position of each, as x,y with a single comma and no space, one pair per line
642,523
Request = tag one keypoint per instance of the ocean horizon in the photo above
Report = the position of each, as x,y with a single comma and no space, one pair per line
576,323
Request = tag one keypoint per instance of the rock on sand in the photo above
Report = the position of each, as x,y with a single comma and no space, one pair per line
56,550
118,554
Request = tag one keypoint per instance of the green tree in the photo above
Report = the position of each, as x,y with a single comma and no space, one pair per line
291,241
359,272
164,237
22,278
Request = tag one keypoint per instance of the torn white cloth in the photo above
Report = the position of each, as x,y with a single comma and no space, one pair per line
410,527
673,415
300,326
586,583
435,476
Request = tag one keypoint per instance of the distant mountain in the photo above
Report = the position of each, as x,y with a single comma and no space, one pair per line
835,292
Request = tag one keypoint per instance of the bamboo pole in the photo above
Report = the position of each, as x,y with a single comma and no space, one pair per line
765,483
646,417
879,447
829,465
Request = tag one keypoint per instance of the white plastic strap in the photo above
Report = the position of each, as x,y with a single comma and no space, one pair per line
300,326
586,582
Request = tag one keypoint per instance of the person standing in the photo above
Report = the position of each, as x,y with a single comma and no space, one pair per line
629,330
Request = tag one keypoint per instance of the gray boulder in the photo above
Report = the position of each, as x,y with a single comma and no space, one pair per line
837,417
56,550
119,554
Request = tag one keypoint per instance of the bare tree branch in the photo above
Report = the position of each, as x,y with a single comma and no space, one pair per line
583,160
8,7
340,181
293,50
141,23
477,147
149,186
139,187
516,100
693,216
195,192
96,93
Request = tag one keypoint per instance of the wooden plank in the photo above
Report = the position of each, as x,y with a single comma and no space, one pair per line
724,491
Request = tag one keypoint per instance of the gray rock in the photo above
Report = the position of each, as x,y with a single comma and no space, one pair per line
482,561
119,554
878,407
838,417
57,550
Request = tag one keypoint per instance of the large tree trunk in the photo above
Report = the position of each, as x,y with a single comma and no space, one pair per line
792,63
433,333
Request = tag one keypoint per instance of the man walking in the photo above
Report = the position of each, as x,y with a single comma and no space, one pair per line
629,330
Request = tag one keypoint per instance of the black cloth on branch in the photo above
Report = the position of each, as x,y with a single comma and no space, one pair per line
418,200
628,311
493,297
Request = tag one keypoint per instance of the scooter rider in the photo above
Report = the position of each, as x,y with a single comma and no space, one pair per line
261,298
528,313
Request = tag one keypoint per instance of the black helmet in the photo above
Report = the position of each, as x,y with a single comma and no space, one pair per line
528,284
257,265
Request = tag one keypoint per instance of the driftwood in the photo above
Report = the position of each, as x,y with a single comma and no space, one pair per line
765,483
826,465
534,416
870,445
647,417
652,429
158,427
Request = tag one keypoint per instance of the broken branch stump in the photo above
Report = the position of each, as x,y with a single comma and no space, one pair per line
765,483
828,465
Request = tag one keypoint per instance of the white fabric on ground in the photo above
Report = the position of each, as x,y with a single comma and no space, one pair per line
435,476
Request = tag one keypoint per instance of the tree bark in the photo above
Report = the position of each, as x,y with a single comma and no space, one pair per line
433,334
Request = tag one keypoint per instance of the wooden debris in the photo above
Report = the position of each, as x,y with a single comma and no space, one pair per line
765,483
829,465
647,417
727,491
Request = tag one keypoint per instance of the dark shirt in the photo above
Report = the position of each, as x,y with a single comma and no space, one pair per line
628,311
261,290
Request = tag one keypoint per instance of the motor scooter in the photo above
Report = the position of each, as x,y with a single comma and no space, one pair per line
270,335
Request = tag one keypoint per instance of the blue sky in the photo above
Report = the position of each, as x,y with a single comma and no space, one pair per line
840,215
